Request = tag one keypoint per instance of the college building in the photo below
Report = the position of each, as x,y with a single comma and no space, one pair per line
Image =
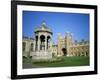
41,45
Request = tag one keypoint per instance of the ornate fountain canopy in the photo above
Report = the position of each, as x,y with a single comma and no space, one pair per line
43,28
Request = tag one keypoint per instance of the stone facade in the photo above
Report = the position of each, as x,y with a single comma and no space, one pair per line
41,47
54,50
70,47
28,46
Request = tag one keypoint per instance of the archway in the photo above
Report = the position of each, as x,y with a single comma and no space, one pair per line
42,40
64,51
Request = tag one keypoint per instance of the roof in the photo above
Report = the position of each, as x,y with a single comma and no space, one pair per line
28,38
43,28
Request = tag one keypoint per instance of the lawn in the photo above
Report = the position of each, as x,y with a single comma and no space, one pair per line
66,61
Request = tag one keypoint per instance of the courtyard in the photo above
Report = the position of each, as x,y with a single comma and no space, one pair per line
63,62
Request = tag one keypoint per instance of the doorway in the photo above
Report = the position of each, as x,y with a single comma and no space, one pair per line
64,51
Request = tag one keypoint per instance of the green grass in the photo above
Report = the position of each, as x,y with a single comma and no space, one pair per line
65,62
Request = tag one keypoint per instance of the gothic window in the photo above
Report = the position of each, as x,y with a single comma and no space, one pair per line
36,43
31,46
24,46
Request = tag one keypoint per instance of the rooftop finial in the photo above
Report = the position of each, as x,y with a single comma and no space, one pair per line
43,23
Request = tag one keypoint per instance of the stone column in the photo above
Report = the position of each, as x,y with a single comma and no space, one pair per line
45,43
34,44
38,42
51,44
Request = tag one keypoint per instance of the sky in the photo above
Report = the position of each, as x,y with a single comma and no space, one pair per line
59,22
